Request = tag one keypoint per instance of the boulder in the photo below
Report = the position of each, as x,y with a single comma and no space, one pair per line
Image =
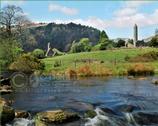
1,77
108,110
3,102
155,81
90,114
79,106
5,89
21,114
126,108
5,81
137,78
7,114
56,117
146,118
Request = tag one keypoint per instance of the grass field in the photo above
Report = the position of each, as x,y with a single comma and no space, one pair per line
112,59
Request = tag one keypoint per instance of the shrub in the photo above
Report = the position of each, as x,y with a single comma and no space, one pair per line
102,71
96,47
39,53
147,57
57,63
127,58
85,71
27,63
71,73
140,69
103,46
89,71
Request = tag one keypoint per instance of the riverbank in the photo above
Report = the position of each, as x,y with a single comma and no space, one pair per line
98,63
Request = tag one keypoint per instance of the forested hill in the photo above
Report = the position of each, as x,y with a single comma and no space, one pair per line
60,36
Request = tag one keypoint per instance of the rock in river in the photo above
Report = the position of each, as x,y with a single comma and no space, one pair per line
21,114
126,108
146,118
79,106
5,89
90,114
5,81
155,81
55,117
3,102
7,114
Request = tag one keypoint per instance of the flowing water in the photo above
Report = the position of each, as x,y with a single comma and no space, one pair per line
117,101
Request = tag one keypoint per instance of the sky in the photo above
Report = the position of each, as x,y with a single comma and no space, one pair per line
117,18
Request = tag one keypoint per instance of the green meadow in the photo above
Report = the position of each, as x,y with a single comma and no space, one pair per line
111,59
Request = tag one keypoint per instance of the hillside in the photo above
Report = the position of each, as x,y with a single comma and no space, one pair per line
113,59
60,36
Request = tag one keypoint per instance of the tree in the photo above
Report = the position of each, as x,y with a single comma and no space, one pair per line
154,42
73,47
77,47
82,46
12,20
120,43
140,43
11,17
10,49
85,43
103,42
103,37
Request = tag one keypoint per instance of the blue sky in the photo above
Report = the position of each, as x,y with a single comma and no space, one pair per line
115,17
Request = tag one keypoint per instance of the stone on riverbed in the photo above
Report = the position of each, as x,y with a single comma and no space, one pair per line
5,89
55,117
155,81
21,114
79,106
5,81
126,108
90,114
3,102
108,110
146,118
7,114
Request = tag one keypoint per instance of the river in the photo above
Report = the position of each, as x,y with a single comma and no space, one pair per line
115,99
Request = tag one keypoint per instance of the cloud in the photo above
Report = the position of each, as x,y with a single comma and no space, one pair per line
125,17
91,21
62,9
126,11
12,2
129,14
134,4
142,19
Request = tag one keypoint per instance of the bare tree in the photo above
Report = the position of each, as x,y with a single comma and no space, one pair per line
11,17
21,23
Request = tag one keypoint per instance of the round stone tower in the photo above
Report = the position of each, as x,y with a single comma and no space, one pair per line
135,35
